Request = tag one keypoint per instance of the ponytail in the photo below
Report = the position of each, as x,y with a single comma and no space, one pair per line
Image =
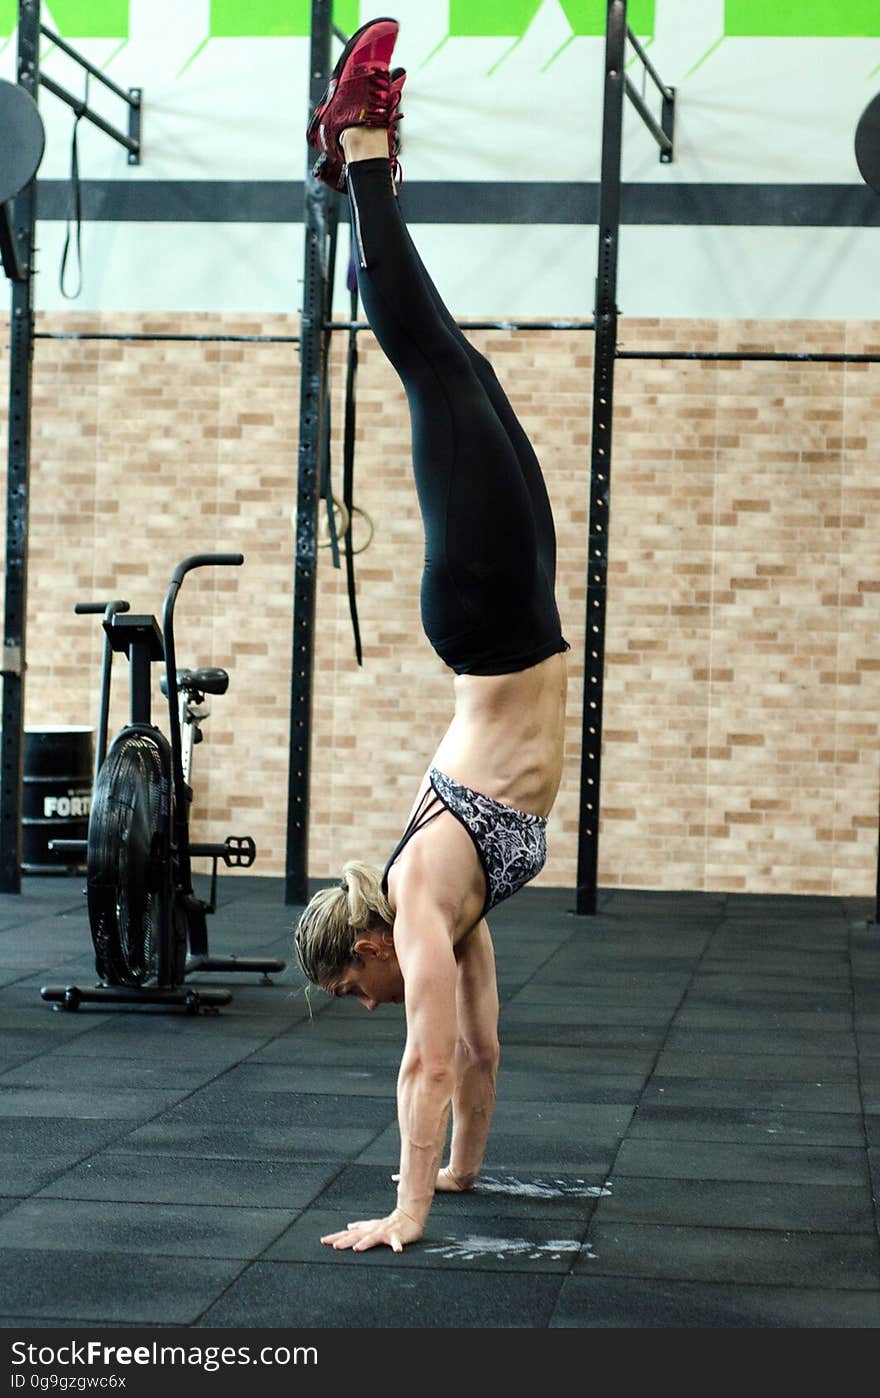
325,935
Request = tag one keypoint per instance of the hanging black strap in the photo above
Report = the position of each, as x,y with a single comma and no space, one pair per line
348,458
76,190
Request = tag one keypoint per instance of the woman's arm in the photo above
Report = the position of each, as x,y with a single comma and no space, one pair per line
426,1081
423,943
476,1060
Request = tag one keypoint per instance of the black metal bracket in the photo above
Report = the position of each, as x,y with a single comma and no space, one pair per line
664,131
132,97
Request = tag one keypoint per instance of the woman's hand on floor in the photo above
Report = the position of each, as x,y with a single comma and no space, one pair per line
394,1232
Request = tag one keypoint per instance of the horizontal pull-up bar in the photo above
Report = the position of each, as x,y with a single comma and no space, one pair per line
481,325
751,356
184,339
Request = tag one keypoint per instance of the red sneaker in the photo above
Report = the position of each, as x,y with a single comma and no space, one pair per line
359,92
332,169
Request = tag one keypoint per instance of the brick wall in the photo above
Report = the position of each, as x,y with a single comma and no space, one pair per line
743,680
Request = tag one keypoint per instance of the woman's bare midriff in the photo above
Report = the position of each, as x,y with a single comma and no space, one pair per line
506,738
506,741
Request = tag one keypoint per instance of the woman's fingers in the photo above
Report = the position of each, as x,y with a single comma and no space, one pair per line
393,1232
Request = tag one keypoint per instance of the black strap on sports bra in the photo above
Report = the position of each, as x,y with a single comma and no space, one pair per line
418,820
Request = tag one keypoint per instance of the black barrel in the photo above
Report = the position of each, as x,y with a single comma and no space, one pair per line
57,796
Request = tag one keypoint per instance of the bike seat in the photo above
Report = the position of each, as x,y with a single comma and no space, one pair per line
207,680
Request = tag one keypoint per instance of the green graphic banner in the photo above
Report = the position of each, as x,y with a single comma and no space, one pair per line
511,18
236,19
76,19
777,19
803,19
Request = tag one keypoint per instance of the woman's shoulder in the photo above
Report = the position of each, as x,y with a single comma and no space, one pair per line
438,872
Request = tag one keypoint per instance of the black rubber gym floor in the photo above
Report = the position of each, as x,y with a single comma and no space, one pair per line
687,1131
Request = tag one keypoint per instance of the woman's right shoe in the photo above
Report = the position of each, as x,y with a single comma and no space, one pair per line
332,171
359,92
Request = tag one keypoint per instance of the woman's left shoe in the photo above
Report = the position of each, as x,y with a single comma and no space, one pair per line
359,93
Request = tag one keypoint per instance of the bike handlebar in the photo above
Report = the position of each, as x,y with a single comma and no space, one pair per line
202,560
94,608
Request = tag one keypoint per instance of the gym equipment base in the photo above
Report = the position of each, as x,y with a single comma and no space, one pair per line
70,997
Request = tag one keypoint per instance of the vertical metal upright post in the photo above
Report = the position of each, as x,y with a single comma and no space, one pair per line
20,374
600,458
313,348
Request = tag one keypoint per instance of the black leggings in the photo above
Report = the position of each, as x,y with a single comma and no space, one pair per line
487,597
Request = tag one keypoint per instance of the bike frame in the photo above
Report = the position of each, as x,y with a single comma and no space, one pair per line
182,790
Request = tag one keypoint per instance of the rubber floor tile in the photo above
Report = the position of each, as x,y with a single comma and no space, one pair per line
220,1140
725,1160
167,1179
757,1067
61,1071
776,960
285,1110
39,1137
733,1012
581,1154
763,986
606,1303
822,1096
23,1175
368,1192
349,1080
734,1255
486,1244
870,1080
217,1053
305,1052
620,991
774,1042
746,1125
360,1294
90,1104
738,1204
92,1285
166,1230
519,1085
593,1012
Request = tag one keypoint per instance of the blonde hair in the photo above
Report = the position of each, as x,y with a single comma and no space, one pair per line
326,933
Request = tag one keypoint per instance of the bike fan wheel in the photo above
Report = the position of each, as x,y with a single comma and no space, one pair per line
127,885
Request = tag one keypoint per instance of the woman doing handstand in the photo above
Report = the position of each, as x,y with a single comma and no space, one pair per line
417,934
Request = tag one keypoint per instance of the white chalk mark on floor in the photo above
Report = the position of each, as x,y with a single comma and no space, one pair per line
542,1189
477,1246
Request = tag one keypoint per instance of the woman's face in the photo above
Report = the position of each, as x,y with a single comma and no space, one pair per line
373,975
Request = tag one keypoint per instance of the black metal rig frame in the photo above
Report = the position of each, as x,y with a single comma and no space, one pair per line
616,84
318,325
23,224
321,214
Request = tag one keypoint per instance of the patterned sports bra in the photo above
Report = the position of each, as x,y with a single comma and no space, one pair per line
511,844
